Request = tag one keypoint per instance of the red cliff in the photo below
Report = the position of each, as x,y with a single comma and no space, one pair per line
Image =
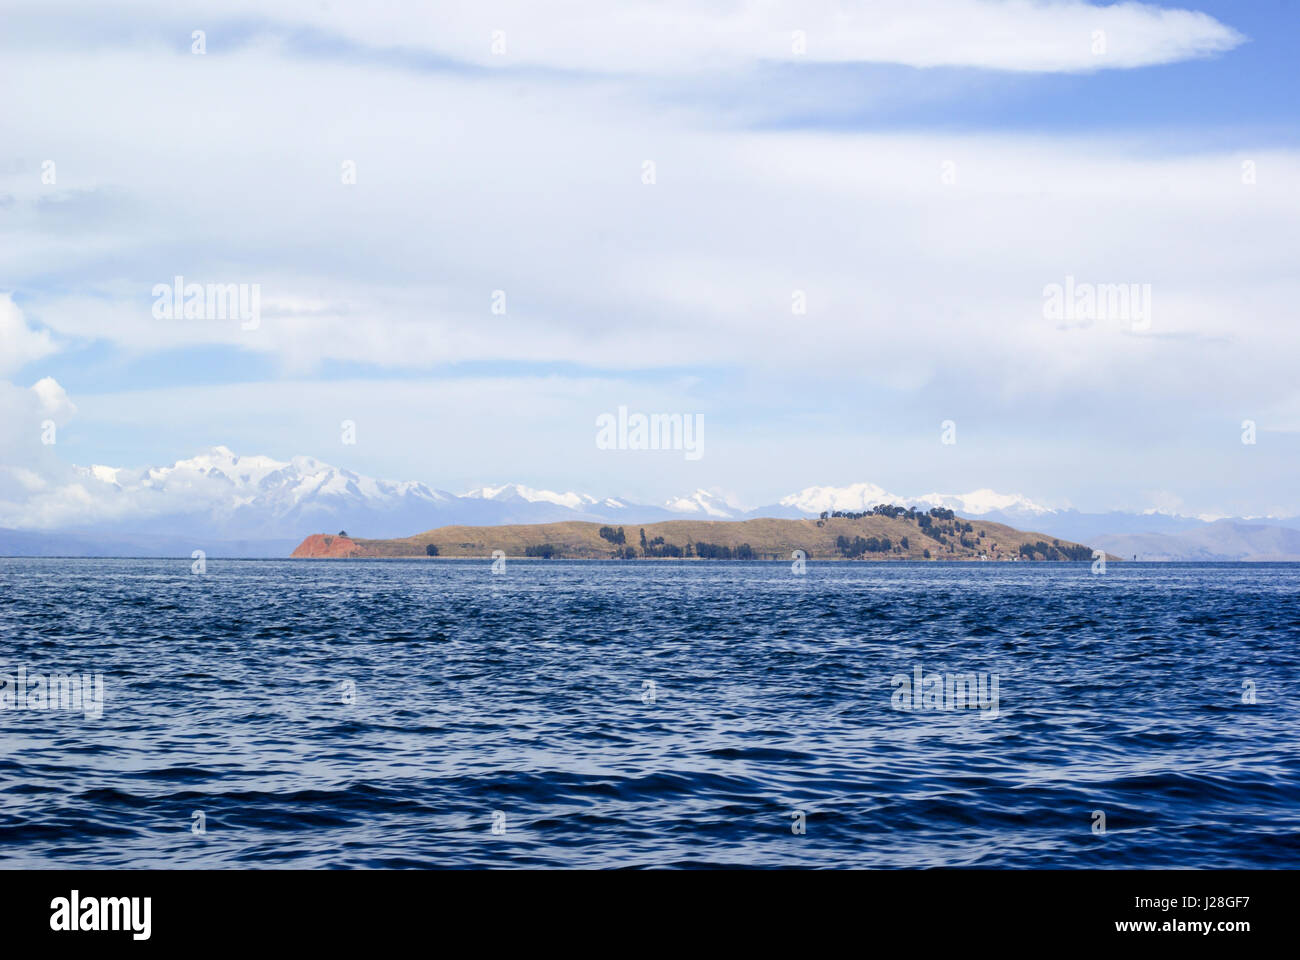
324,545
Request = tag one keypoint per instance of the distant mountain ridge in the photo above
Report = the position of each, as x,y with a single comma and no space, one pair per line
218,496
1221,540
864,496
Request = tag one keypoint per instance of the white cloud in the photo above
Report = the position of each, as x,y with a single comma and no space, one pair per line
29,465
226,168
543,200
53,399
660,37
19,343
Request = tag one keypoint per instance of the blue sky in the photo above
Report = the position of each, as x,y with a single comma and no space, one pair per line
921,173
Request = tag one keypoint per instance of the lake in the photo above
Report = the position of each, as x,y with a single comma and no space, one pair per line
430,713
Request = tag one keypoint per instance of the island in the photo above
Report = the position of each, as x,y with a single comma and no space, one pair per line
882,534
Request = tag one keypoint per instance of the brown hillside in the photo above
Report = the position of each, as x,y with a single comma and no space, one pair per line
770,539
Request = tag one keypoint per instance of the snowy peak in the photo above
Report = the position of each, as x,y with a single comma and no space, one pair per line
864,496
295,481
508,492
704,503
219,495
979,502
219,492
855,497
221,480
218,463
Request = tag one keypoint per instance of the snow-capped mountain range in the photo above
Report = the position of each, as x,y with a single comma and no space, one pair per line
864,496
518,493
220,496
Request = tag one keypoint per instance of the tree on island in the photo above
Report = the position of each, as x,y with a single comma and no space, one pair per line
659,548
430,550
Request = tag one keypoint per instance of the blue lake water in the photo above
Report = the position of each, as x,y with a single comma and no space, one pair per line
603,714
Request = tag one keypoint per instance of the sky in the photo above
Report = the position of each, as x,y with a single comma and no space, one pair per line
449,216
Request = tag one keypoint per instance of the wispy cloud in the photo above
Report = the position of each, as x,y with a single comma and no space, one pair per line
922,256
664,37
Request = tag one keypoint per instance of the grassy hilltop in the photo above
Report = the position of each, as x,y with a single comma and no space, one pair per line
906,535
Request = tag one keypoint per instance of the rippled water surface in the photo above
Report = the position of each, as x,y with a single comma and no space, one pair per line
524,701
